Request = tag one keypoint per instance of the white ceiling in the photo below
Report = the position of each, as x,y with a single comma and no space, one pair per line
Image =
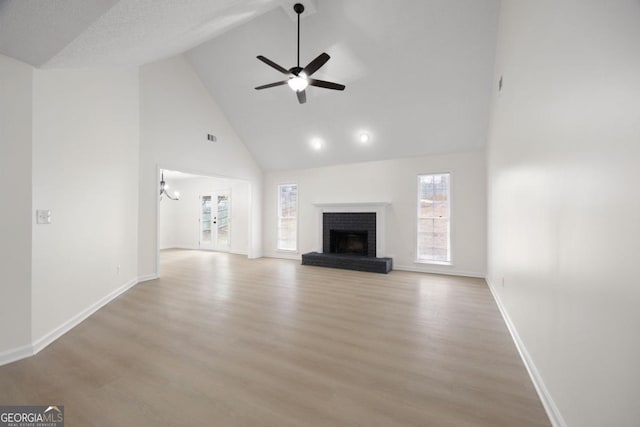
177,175
95,33
33,31
418,76
418,72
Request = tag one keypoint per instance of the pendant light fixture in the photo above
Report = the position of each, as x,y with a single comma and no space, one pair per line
163,190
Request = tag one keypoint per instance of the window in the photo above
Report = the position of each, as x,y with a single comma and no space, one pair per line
288,217
434,209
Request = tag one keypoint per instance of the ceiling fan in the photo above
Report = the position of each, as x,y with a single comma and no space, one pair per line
299,78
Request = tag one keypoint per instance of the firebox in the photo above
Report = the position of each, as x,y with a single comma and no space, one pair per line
351,233
354,242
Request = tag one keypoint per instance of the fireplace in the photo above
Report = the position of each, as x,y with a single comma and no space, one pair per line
349,241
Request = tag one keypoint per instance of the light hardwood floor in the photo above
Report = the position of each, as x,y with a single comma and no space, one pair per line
220,340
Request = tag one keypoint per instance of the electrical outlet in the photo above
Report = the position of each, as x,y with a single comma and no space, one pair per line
43,216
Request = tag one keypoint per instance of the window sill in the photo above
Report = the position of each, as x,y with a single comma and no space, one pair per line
422,261
287,251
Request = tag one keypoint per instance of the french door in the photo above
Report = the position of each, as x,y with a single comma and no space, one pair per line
215,224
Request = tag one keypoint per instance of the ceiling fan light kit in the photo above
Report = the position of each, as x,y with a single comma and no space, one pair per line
298,83
298,78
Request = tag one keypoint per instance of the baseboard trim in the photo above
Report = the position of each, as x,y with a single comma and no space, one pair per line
47,339
147,277
245,253
197,248
38,345
15,354
438,271
284,255
545,397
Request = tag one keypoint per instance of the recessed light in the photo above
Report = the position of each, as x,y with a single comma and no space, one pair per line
364,137
317,144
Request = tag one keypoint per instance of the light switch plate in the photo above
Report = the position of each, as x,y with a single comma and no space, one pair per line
43,216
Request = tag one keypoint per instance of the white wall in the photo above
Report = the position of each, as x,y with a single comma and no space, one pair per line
177,112
393,181
564,208
16,215
85,169
179,219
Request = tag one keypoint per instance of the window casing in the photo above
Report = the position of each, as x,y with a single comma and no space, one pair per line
287,217
434,218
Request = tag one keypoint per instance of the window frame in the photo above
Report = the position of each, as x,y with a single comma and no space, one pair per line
278,217
418,260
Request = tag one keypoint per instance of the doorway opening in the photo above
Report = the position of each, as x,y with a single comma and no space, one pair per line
212,213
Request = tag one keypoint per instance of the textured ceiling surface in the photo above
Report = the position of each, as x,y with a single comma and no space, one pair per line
418,76
34,31
140,31
95,33
418,73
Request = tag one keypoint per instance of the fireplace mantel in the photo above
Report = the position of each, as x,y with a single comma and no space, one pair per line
358,206
378,207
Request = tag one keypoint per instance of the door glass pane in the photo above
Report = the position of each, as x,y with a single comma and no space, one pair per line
205,220
223,220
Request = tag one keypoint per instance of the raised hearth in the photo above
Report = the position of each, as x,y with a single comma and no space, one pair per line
348,262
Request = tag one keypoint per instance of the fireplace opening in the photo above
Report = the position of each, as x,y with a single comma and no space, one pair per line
353,242
351,233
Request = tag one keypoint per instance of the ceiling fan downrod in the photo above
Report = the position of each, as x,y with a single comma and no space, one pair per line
298,8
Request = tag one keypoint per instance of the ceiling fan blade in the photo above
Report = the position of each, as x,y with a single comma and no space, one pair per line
273,64
316,64
326,85
272,85
302,97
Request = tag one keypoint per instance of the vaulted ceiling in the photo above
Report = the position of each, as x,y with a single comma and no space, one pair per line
418,73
